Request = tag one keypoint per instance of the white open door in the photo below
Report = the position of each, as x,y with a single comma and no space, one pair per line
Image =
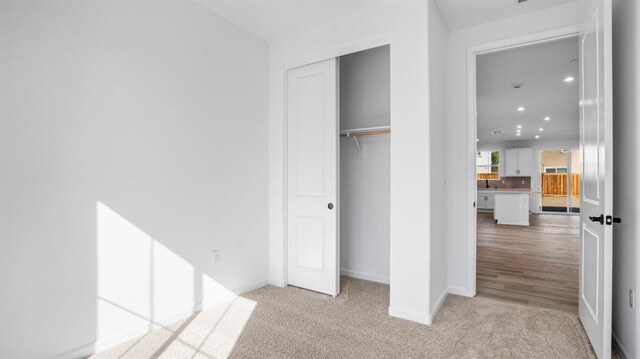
597,201
312,177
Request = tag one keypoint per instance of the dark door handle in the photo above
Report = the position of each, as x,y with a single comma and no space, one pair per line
611,220
330,206
597,219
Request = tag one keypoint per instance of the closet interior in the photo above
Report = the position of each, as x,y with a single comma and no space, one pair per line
365,139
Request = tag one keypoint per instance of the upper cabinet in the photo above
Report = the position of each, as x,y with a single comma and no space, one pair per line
517,162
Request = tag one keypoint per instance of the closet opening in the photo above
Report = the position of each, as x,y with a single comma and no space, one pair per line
365,165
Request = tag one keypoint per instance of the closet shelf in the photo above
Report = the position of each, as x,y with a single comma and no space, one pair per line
366,131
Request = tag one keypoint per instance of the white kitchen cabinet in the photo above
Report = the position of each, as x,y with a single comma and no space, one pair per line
511,162
491,201
512,208
485,200
517,162
481,203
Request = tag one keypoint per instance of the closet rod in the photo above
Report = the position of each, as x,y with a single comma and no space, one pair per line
366,131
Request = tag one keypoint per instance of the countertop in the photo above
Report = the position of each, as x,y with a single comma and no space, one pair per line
507,190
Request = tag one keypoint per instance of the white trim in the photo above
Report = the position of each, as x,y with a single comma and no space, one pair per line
278,283
410,315
341,50
251,287
461,291
365,276
285,191
472,52
618,343
106,343
436,310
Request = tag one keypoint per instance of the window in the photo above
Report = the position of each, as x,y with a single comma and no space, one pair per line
555,170
488,165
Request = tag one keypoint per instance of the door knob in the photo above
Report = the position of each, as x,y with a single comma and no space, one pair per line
330,206
597,219
611,220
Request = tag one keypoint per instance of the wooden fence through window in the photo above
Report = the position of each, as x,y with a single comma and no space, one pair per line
555,184
483,176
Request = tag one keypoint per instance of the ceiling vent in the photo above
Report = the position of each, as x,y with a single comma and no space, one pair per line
498,132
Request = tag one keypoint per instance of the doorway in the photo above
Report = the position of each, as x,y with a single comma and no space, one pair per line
560,174
527,102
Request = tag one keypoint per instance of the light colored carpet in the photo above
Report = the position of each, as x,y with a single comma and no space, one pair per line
294,323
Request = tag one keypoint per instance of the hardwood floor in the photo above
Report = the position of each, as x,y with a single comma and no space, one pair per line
535,265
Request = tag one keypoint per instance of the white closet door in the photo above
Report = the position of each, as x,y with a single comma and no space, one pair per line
312,177
597,203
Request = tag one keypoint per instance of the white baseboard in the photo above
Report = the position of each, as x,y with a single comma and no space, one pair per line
435,310
459,291
365,276
106,343
625,353
410,315
251,287
277,283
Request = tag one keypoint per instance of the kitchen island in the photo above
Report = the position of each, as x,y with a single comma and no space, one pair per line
512,207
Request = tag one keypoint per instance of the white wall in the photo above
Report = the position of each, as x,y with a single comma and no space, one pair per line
459,153
626,167
133,143
365,176
437,129
365,88
364,208
405,23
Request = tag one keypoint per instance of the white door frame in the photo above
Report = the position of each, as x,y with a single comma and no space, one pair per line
329,53
472,52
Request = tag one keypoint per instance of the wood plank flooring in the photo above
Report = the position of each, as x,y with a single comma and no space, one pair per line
535,265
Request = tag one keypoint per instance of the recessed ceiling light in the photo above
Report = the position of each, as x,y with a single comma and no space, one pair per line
547,118
537,136
518,131
518,134
519,126
541,129
521,108
477,139
569,79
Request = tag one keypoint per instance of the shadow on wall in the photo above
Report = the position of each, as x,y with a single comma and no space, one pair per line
142,285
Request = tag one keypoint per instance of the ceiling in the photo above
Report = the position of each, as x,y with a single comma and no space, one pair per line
466,13
541,70
272,19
